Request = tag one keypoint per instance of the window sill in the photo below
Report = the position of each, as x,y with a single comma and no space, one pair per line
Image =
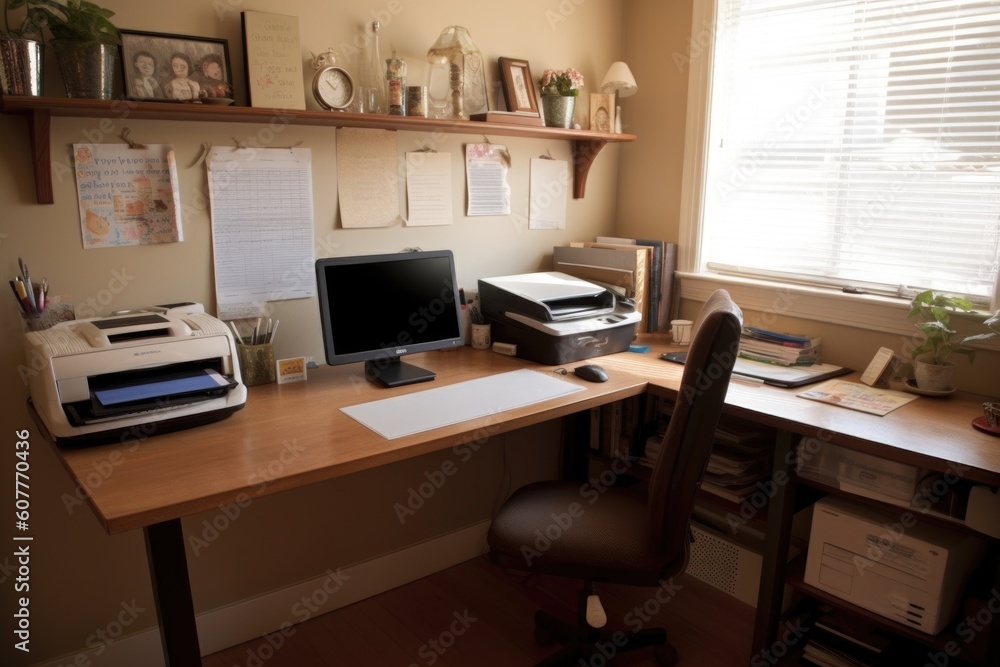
862,311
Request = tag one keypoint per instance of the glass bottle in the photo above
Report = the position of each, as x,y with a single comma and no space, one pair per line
456,83
395,77
375,76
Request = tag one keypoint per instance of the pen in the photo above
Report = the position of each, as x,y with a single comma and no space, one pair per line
274,330
239,338
27,286
14,284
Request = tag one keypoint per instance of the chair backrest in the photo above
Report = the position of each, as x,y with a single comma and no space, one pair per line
687,443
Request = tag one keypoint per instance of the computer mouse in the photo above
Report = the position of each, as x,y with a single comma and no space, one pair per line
591,373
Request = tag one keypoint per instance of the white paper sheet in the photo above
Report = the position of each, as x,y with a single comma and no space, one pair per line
367,178
450,404
428,189
549,187
262,227
486,168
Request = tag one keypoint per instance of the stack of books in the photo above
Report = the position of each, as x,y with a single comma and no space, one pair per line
783,349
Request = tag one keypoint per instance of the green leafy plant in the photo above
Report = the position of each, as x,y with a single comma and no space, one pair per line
73,21
566,82
935,311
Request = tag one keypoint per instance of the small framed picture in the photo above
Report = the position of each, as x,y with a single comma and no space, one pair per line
176,68
518,86
602,112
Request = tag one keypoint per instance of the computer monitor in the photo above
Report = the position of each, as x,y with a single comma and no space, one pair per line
377,308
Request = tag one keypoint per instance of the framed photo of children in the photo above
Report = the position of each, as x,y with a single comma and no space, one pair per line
175,68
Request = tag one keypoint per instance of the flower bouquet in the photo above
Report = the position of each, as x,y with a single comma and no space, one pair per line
566,82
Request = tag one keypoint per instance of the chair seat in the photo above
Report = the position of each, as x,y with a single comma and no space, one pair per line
569,529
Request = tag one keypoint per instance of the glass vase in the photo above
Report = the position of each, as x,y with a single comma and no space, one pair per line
373,76
456,80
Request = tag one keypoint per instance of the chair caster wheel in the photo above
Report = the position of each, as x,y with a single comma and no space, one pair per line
665,655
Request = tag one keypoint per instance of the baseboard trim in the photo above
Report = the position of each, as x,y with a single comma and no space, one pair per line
252,618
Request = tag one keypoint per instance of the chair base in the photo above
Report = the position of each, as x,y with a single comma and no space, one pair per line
590,646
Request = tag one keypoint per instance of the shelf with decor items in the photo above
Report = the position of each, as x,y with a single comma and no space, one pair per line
39,112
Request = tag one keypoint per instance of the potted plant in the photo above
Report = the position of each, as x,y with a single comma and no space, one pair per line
85,42
21,51
931,368
560,88
83,38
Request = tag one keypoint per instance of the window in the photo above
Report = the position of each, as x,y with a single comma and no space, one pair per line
853,144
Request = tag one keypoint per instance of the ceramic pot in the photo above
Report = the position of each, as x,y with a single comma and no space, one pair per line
557,110
934,377
88,69
21,66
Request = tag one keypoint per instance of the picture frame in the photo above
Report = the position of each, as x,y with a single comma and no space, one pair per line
518,86
602,112
148,74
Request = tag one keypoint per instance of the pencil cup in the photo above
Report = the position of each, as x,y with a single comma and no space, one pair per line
56,311
680,330
256,363
481,336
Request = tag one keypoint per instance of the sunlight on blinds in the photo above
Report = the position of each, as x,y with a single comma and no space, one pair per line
856,143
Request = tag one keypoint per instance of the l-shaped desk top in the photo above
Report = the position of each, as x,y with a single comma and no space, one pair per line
301,425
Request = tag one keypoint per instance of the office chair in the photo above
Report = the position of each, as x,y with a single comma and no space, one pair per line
619,536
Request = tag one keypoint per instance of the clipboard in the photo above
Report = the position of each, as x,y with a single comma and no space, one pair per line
778,376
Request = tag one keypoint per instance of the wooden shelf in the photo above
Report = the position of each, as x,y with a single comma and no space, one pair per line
40,110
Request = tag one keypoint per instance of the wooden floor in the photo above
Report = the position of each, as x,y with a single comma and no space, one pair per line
478,615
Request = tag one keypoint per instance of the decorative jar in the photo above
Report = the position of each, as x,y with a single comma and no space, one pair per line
456,82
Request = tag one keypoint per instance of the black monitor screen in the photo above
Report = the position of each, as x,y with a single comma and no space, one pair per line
377,308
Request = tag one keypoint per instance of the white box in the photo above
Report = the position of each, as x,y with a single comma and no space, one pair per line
888,563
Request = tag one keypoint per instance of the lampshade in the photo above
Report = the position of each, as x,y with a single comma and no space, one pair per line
619,80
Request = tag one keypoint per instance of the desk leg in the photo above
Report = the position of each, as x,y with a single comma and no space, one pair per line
172,593
779,528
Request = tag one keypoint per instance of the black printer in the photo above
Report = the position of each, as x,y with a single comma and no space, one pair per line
555,318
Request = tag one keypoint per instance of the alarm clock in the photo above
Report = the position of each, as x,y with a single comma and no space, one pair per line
332,86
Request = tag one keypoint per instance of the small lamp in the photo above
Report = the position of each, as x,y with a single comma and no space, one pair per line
619,80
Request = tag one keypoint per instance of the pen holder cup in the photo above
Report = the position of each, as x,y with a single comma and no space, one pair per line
481,339
256,363
56,310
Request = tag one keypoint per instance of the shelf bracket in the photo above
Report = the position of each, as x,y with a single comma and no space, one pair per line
39,126
584,153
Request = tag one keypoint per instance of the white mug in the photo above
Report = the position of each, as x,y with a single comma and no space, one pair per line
681,331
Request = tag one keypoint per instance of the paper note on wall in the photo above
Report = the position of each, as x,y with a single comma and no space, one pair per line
486,168
549,189
367,177
128,196
428,189
262,227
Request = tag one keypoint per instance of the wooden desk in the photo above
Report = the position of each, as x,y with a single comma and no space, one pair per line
161,479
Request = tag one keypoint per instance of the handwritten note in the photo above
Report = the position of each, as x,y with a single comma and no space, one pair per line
428,189
274,60
367,175
128,196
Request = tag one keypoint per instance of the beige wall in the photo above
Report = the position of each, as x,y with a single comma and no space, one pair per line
80,576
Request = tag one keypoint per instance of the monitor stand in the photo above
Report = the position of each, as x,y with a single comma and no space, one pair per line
392,372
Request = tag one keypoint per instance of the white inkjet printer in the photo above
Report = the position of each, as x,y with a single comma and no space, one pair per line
132,375
555,318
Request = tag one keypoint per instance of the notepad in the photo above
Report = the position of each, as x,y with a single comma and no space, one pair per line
450,404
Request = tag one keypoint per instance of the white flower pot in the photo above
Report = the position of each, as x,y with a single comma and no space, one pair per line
934,377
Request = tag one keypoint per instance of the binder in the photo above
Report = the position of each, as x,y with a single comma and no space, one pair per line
622,267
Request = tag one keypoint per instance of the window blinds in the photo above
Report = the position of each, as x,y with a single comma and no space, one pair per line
855,143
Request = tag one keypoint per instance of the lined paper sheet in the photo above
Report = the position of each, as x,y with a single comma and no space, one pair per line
441,406
262,227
